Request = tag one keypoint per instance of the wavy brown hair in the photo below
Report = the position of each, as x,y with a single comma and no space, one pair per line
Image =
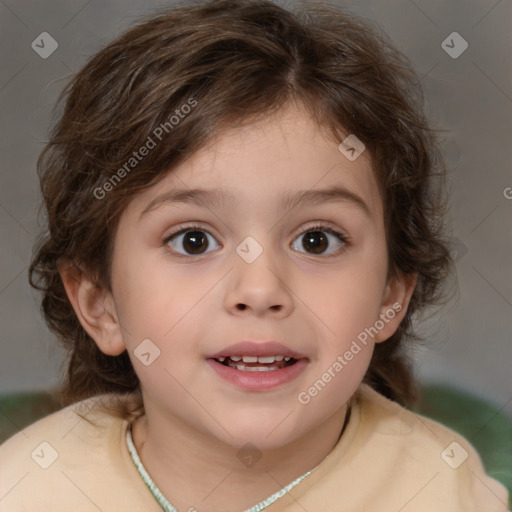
239,60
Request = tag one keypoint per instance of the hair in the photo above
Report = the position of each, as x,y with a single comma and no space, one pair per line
234,61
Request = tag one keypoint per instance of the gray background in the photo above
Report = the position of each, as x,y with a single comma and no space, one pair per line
469,96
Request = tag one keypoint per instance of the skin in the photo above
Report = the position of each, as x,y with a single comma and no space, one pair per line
189,306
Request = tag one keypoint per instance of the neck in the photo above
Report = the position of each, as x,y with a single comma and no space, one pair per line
196,470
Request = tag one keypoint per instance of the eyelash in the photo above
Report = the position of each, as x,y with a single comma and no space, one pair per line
344,239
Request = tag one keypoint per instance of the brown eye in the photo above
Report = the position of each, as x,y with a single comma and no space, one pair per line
316,241
319,239
195,242
190,241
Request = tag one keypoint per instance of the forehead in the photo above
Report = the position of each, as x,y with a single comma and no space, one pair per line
271,161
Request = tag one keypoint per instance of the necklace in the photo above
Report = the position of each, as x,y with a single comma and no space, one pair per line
164,502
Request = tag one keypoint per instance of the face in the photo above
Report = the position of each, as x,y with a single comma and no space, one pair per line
197,274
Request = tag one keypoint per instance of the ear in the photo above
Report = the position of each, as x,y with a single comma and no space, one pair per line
395,301
94,307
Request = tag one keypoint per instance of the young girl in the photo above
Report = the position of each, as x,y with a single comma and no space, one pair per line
244,213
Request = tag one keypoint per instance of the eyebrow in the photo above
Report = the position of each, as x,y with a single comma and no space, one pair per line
215,198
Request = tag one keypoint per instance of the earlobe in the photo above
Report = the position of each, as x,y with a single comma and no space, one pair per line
94,307
396,298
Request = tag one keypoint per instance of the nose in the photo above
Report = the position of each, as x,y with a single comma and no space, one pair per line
259,288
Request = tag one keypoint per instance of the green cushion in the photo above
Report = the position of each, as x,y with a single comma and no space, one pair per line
19,410
487,428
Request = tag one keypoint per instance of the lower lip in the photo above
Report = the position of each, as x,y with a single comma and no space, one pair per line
259,381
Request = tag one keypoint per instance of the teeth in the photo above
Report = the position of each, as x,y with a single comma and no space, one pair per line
264,360
256,368
255,359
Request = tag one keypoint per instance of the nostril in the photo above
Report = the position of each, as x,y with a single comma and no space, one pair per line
241,307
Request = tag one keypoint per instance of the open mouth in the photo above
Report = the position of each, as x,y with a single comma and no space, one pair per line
258,373
256,364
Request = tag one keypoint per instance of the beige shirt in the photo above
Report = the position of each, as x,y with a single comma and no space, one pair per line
387,460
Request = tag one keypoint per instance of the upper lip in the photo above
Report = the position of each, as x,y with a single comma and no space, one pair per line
257,348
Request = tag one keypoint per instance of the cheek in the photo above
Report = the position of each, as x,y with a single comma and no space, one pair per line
142,298
349,298
160,323
163,303
347,307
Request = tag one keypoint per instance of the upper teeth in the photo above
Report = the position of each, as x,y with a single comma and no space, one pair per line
254,359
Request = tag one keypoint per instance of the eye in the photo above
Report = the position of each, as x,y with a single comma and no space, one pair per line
318,239
193,240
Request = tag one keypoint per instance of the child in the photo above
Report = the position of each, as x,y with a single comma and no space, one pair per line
243,217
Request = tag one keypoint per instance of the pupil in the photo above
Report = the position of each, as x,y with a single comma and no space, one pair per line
316,241
194,240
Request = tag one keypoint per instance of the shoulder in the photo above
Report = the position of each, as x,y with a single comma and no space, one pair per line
445,461
70,457
68,423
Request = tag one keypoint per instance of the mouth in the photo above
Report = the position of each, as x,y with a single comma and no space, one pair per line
257,364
